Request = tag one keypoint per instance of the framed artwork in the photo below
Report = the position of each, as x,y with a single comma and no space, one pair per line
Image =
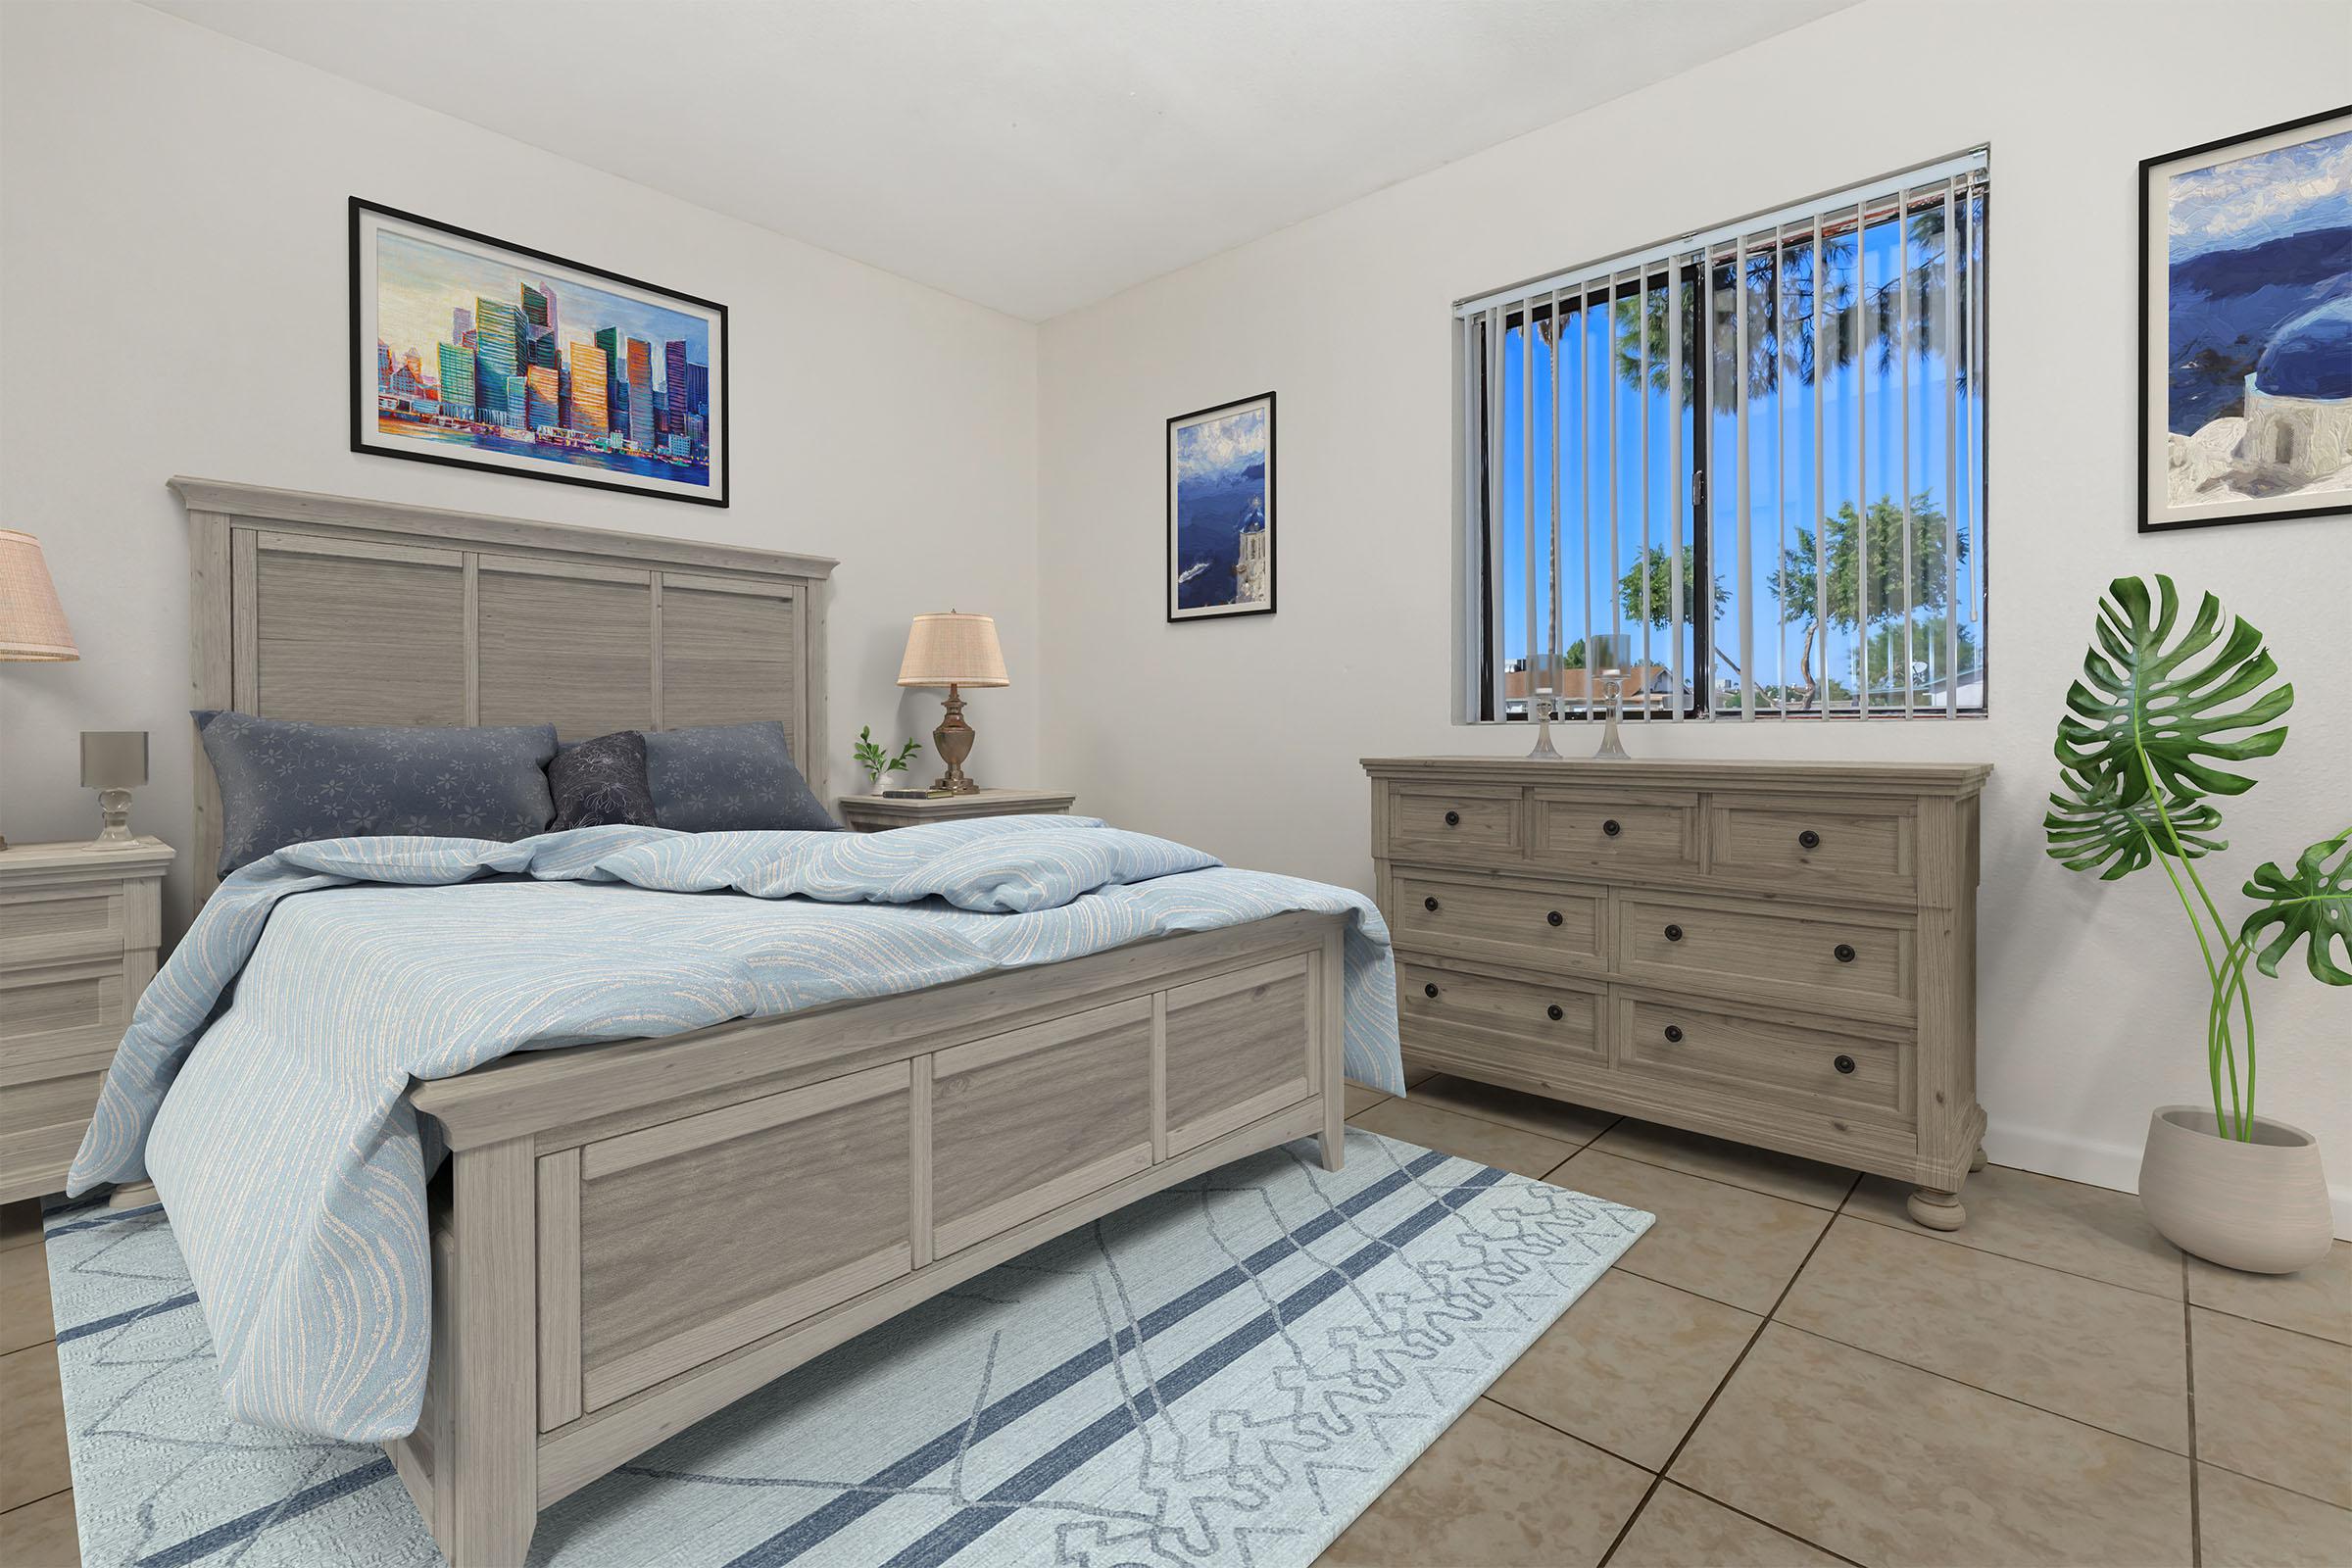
2246,327
1221,510
479,354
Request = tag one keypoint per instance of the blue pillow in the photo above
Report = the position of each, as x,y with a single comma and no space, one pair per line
722,778
285,782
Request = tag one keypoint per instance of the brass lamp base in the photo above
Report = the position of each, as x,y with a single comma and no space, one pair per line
954,738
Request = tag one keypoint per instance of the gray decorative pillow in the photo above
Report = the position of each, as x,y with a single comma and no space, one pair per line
729,777
601,782
285,782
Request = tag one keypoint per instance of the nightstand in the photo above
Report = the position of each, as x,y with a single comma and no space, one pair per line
79,931
871,813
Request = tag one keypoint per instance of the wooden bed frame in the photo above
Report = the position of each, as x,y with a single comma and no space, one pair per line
628,1237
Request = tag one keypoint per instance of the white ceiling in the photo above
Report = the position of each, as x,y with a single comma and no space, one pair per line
1030,155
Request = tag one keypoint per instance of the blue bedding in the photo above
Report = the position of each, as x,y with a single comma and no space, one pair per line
261,1082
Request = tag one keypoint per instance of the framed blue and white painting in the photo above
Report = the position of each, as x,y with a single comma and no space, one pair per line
2246,327
477,353
1221,510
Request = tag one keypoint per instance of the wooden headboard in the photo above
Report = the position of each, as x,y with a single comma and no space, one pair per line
342,611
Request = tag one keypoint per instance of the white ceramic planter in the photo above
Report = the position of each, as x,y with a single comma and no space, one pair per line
2260,1205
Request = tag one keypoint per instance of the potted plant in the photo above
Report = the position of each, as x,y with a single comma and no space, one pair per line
2150,733
878,764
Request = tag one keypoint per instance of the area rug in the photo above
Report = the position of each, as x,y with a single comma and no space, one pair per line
1227,1372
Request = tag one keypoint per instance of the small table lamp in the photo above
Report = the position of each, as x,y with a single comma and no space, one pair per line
114,762
954,650
33,623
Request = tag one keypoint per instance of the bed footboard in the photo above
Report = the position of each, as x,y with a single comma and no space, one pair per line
641,1232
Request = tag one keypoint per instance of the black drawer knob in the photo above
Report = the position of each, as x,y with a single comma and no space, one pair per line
1430,990
1843,1064
1554,1013
1611,828
1809,839
1674,933
1430,903
1453,820
1845,952
1553,919
1674,1034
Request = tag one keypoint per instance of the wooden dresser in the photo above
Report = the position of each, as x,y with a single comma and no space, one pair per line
79,931
1782,954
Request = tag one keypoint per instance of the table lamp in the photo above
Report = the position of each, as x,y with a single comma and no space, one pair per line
1607,655
33,623
952,650
114,762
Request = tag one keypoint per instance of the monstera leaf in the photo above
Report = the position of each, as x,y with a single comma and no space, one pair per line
2091,825
2314,904
2157,716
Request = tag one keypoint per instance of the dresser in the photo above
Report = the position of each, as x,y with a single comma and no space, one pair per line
78,932
872,813
1780,954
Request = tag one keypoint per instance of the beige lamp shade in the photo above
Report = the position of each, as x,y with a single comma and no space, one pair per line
952,650
33,623
114,759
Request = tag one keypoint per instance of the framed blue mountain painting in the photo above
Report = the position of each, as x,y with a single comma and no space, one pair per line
1221,510
2246,327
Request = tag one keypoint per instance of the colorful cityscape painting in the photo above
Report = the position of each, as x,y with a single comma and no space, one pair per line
474,351
2246,367
1221,510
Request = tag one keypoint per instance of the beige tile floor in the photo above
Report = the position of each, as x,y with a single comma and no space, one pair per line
1784,1371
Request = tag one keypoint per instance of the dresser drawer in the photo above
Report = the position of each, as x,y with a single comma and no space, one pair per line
1823,1068
1843,847
1615,830
1847,964
61,1010
1476,822
49,1102
45,925
1552,929
1503,1024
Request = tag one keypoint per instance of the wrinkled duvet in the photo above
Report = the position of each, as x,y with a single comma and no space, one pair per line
261,1082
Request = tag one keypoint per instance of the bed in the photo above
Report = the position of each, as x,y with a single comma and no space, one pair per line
946,1129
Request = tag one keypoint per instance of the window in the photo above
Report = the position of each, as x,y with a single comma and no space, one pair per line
1744,469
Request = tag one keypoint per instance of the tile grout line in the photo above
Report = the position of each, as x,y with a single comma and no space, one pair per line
1907,1227
2189,1375
1708,1408
2011,1398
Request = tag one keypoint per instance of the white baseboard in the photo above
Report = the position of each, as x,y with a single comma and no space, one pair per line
2102,1165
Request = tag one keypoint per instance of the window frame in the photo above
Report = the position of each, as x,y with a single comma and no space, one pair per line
1689,267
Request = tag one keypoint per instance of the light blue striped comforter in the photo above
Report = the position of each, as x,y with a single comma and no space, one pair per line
262,1083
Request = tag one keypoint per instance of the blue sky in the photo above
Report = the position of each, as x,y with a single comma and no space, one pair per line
418,282
2248,200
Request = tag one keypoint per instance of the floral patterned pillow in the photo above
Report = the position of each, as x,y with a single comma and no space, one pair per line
601,782
722,778
286,782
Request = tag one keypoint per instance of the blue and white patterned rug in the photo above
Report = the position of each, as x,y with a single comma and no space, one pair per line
1227,1372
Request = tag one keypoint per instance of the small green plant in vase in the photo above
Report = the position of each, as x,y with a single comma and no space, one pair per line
878,764
2154,732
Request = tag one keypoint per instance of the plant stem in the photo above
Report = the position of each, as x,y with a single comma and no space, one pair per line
2217,1024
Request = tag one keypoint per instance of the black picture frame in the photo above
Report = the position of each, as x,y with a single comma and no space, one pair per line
1170,582
2153,332
544,471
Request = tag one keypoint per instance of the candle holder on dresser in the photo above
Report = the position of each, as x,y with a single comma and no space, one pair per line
1608,653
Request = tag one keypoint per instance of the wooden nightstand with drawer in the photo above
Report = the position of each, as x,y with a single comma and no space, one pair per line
78,932
1782,954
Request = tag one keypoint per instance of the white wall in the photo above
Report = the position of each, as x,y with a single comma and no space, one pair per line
173,300
1242,736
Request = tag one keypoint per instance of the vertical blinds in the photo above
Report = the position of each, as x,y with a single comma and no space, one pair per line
1745,467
